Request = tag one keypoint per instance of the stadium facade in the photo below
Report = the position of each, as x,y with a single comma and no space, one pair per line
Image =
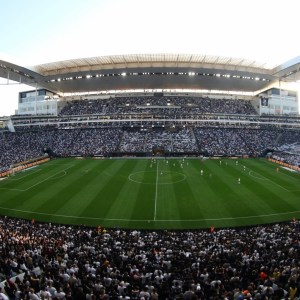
128,97
146,74
186,104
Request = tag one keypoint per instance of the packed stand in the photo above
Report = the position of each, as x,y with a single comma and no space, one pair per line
288,149
18,147
90,142
184,141
132,141
48,261
289,137
21,146
235,141
158,106
288,153
177,141
84,107
24,145
289,158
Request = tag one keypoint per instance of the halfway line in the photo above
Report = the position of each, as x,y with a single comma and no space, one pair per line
156,185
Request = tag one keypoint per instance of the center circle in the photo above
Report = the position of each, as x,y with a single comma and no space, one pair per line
154,177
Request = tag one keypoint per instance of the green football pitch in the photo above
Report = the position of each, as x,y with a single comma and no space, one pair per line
171,193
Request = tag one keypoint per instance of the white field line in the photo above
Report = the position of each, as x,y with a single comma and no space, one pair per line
24,190
19,190
140,182
263,177
156,187
21,177
134,220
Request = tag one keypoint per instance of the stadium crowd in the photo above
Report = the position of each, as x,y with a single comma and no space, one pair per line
286,157
50,261
235,141
25,145
224,141
288,148
289,137
83,138
170,106
178,141
61,262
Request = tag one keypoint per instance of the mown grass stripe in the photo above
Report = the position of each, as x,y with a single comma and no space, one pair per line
93,191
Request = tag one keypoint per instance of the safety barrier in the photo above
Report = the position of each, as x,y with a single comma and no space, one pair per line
24,165
284,164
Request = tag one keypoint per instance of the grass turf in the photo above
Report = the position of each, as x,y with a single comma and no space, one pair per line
147,194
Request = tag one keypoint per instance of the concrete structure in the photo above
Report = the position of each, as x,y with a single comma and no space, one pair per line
158,73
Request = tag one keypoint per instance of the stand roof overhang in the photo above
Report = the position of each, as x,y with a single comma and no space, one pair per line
152,71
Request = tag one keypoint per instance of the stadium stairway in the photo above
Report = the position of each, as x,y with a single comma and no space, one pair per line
278,139
194,136
120,141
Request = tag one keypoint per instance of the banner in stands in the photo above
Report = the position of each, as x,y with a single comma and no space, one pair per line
264,101
284,164
23,165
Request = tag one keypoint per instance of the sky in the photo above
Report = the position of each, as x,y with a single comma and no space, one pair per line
34,32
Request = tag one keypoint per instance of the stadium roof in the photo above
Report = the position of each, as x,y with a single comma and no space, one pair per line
125,61
153,71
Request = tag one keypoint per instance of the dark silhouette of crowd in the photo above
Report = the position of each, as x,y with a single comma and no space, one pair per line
50,261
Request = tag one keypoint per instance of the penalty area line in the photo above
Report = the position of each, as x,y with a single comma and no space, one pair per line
20,177
24,190
48,178
265,178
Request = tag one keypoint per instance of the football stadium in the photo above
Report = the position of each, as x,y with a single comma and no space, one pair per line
151,176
